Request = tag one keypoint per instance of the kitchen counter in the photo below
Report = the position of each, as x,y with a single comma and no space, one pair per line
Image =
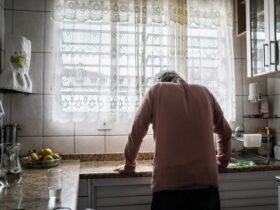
32,192
105,169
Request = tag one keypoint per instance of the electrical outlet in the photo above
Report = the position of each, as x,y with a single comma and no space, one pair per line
104,125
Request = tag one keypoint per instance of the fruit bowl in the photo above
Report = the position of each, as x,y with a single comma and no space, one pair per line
28,163
45,158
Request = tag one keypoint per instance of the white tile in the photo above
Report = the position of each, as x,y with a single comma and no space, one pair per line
7,108
243,47
63,145
122,128
87,129
27,111
53,128
2,4
49,5
277,138
48,73
29,144
261,80
274,124
24,23
8,4
49,27
237,47
115,144
8,18
89,144
35,5
273,86
148,144
274,105
239,113
2,25
238,76
252,125
36,72
250,108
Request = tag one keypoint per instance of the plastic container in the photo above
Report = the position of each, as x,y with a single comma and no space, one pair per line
252,140
277,152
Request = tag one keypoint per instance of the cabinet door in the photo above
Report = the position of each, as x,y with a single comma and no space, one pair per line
258,44
274,33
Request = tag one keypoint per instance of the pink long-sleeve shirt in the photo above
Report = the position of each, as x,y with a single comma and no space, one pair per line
184,118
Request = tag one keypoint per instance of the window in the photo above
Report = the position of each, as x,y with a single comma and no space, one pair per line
109,51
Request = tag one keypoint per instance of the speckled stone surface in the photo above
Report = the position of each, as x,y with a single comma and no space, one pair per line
32,192
105,169
105,157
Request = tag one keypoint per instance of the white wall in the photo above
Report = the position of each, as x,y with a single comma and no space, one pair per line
1,41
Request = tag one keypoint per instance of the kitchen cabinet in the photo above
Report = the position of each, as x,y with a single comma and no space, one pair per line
238,191
263,36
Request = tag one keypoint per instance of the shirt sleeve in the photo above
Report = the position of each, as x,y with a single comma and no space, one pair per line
223,134
139,129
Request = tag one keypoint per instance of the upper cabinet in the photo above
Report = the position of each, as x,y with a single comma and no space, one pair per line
263,35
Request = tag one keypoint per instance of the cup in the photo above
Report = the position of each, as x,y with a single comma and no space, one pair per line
54,183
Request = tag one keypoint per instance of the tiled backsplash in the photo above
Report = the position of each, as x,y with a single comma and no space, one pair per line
32,18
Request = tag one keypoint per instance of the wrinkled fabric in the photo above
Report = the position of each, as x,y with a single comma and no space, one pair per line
184,118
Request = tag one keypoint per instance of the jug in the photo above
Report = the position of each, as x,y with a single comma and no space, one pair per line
10,167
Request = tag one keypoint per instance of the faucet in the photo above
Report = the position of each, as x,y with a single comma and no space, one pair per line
268,147
2,113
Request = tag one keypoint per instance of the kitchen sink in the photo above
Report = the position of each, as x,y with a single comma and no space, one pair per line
257,159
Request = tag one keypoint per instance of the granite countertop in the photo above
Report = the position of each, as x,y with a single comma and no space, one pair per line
105,169
32,192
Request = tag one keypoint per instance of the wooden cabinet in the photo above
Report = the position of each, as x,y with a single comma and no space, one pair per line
263,34
238,191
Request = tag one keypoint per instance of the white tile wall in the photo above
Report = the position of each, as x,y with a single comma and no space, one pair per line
48,32
49,5
8,18
52,128
273,86
27,111
48,73
26,23
64,145
36,72
8,4
29,144
34,5
238,76
2,3
89,144
115,143
148,144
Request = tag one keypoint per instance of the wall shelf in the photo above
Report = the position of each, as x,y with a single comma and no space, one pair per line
256,116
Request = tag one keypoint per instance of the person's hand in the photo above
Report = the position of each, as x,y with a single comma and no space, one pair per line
125,170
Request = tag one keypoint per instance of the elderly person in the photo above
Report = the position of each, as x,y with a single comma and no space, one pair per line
186,163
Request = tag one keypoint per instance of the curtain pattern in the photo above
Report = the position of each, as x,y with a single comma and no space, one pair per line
108,52
210,50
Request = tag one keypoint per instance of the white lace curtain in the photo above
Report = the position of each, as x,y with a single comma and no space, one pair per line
210,50
108,51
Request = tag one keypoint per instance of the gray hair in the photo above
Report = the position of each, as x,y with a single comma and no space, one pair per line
167,76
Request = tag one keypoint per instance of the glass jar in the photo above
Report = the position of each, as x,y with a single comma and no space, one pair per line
10,167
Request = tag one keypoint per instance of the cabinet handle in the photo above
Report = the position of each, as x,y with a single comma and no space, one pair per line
272,52
264,45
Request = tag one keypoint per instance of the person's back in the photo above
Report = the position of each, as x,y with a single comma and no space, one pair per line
183,133
185,169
